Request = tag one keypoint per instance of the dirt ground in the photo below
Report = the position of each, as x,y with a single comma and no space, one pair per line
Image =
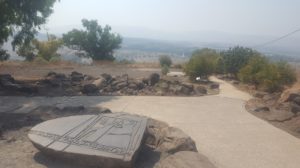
35,71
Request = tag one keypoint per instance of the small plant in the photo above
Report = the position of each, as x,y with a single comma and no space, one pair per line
165,70
165,60
40,61
55,60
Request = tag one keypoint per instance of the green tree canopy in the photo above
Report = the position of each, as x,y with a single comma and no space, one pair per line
202,63
20,19
236,58
165,60
267,75
99,42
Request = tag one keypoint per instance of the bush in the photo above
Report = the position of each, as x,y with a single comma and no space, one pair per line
165,70
202,63
165,60
55,60
40,60
236,58
266,75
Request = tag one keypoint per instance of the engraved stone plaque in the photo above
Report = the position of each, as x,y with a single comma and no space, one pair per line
105,140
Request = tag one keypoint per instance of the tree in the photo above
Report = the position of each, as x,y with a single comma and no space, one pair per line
20,19
44,49
236,58
202,63
99,43
165,60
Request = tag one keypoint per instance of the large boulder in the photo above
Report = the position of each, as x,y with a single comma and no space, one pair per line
174,140
90,89
185,159
76,76
167,140
214,86
99,83
56,79
108,78
6,79
201,89
187,89
153,79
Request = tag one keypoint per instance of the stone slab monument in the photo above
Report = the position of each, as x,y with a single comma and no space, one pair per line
107,140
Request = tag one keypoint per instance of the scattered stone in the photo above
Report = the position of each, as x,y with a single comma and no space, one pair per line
111,139
185,159
289,95
259,94
201,89
6,79
262,109
107,77
55,79
153,79
215,86
100,83
90,89
76,76
187,89
295,108
145,81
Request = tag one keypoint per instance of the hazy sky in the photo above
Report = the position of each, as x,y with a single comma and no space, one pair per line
254,17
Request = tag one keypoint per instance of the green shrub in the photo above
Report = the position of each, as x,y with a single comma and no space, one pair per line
40,60
266,75
236,58
202,63
165,60
55,59
165,69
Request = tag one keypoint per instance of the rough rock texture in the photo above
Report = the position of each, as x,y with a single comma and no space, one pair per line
289,95
185,159
76,84
167,140
111,139
162,141
90,89
215,86
153,79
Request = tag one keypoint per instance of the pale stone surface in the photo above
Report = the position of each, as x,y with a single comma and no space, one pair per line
111,140
185,159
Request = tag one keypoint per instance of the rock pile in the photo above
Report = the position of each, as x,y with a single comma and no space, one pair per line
75,84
